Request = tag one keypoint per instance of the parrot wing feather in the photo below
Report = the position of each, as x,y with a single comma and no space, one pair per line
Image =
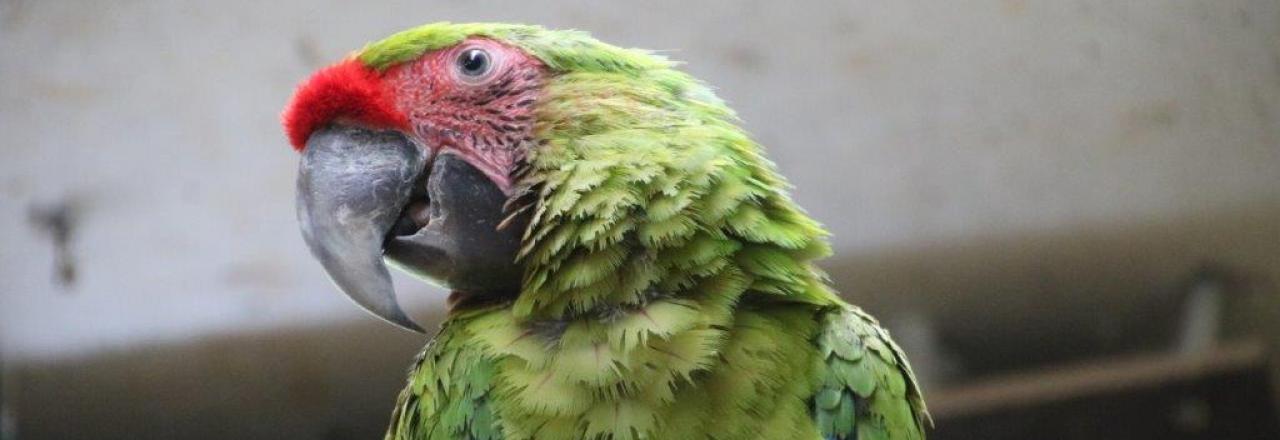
868,390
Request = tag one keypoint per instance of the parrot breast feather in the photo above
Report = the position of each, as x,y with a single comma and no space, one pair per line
450,392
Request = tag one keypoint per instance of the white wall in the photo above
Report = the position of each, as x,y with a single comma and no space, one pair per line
902,124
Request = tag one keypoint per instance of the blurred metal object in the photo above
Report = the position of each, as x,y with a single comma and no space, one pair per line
58,219
1221,393
1202,312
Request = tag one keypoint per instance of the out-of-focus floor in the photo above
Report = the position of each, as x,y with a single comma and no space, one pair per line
1111,360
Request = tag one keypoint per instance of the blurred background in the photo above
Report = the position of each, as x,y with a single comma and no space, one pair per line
1068,212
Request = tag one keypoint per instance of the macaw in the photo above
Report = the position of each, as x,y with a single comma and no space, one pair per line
624,263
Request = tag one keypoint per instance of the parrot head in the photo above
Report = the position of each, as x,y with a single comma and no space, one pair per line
516,162
413,161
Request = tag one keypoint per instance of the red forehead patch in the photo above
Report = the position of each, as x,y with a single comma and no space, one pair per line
346,90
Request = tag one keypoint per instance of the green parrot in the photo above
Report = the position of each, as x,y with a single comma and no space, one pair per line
623,261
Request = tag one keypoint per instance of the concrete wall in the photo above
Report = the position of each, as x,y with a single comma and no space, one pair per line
1009,173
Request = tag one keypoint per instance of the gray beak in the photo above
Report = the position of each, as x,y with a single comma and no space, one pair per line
365,194
352,185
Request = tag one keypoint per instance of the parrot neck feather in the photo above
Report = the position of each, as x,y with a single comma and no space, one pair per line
643,189
661,243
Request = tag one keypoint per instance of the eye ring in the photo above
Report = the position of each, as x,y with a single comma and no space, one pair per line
474,64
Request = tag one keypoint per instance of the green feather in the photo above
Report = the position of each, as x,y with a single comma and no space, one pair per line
670,287
891,404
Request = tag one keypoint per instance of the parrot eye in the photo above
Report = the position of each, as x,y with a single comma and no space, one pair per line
474,63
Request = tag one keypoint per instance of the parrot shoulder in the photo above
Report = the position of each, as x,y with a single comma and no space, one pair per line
868,390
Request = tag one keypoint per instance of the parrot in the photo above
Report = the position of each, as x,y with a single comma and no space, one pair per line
623,262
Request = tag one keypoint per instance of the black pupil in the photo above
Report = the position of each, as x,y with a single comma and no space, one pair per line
474,62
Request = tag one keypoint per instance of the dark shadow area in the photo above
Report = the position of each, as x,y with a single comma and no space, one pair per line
1221,394
1012,302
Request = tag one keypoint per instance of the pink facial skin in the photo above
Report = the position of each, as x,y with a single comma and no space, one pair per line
486,119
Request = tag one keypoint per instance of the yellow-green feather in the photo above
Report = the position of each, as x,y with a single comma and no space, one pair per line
670,290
